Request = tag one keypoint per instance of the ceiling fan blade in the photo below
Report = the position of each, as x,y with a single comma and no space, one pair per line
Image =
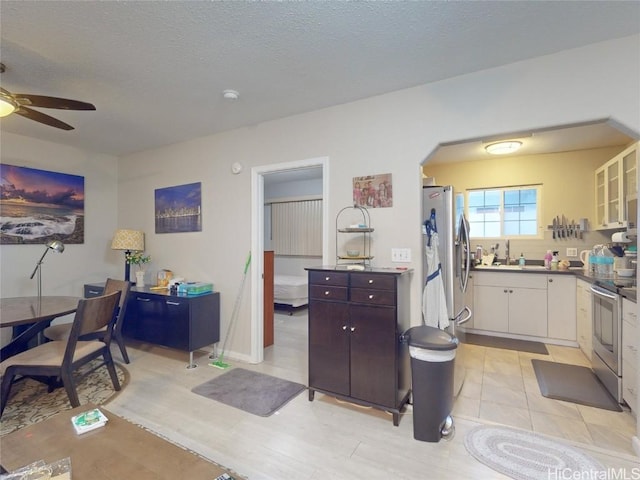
52,102
42,118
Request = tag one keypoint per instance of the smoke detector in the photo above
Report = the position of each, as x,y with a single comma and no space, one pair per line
230,95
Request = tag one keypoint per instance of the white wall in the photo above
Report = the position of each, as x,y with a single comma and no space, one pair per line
390,133
92,261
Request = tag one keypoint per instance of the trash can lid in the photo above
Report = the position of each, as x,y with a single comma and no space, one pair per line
431,338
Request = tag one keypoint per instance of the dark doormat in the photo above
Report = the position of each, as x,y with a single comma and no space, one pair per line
252,392
501,342
573,383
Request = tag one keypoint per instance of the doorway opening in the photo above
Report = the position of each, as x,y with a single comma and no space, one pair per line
258,177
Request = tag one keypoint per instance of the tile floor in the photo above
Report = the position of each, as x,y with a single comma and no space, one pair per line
500,386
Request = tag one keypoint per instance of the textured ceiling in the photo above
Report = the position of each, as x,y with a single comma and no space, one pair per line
156,70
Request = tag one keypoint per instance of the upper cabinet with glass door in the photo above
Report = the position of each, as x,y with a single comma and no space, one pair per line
615,181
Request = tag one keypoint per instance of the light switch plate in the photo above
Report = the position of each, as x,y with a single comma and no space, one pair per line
572,252
401,255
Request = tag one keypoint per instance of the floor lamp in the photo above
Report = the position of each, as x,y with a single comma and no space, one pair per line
56,246
129,241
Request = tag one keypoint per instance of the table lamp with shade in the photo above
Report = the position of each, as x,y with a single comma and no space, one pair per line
129,241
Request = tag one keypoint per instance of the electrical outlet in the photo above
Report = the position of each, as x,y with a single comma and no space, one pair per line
572,252
401,255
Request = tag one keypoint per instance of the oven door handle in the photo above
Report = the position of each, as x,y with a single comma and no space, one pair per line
603,293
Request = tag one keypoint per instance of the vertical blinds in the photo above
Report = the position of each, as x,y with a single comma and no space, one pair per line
296,228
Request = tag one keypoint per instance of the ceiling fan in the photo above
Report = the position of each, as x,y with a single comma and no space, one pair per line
20,103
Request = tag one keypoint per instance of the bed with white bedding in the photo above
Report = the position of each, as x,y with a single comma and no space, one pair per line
290,291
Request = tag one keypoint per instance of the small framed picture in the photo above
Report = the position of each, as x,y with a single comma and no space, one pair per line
373,191
178,209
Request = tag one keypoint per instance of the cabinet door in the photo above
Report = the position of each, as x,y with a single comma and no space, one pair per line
614,181
373,354
601,220
159,320
329,346
491,308
561,306
528,311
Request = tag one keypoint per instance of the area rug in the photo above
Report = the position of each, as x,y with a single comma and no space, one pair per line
524,455
573,383
252,392
501,342
29,401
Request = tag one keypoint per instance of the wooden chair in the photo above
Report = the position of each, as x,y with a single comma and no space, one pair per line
61,331
59,359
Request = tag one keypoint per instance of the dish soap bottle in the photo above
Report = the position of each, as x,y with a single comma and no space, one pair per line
547,260
521,261
554,261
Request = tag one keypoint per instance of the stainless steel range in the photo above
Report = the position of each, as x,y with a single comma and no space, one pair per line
607,339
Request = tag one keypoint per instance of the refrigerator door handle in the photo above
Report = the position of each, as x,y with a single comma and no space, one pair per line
458,320
463,245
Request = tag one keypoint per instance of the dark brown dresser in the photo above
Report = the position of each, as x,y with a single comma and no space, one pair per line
356,321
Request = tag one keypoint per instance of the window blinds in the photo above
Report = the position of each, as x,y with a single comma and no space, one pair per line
296,228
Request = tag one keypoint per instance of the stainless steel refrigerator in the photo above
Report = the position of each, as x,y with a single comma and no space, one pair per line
453,253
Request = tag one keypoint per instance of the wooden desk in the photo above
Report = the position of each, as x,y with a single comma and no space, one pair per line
119,450
31,315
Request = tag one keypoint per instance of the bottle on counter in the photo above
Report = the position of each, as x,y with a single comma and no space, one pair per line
521,260
547,260
555,261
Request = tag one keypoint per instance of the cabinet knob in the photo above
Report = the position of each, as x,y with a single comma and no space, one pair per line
172,303
344,327
506,291
353,329
326,293
551,280
326,279
143,299
510,291
370,282
371,297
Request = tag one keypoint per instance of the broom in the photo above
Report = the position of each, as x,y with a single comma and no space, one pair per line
219,363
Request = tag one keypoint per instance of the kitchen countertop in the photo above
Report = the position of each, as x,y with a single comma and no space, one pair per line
623,286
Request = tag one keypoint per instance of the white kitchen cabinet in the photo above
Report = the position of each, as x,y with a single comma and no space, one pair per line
583,317
630,355
510,303
561,307
614,181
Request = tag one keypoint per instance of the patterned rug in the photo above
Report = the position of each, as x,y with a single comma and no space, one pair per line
30,403
524,455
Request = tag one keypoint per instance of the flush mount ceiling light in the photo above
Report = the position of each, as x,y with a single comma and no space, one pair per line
502,148
230,95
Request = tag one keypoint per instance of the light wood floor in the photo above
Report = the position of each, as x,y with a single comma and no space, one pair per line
326,439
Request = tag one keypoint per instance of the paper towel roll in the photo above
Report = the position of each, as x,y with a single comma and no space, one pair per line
620,237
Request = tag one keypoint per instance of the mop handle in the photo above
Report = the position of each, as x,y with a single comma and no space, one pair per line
246,265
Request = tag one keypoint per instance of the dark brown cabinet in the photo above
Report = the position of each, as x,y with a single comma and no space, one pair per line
356,320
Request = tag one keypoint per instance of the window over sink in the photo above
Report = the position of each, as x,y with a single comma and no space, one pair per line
504,211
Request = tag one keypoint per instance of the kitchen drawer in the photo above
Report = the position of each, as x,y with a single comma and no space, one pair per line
373,297
340,279
513,280
377,281
327,292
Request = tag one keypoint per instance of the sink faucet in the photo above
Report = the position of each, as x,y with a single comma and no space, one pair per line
506,252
